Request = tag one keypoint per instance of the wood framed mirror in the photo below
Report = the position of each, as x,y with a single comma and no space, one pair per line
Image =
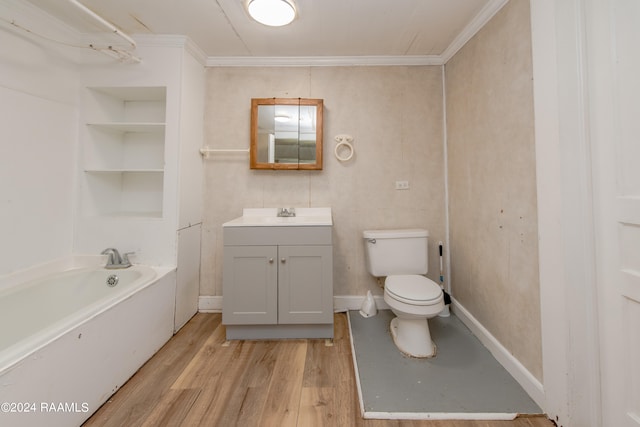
286,133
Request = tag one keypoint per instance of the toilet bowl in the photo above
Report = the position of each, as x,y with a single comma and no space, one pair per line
401,257
413,299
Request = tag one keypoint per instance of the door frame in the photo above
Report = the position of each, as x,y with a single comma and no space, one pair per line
575,103
568,283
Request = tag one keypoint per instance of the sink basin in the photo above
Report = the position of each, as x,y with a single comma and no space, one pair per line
266,217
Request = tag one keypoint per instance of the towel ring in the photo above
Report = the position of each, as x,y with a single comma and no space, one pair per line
344,141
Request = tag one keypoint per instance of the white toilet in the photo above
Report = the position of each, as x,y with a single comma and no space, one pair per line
401,257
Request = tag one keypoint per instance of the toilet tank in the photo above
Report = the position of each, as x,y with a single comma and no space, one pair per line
391,252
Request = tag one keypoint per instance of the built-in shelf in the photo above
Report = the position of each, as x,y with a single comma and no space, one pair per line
122,193
124,144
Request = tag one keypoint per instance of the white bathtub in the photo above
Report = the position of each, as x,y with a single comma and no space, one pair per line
68,340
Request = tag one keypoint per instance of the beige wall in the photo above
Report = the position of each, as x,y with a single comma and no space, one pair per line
395,115
492,183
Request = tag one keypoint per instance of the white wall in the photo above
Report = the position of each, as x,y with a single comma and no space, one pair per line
38,116
41,164
492,183
395,116
152,239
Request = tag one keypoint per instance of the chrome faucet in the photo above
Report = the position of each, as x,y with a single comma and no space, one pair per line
115,260
287,212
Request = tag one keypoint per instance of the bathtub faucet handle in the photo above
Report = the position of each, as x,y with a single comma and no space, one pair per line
125,259
115,260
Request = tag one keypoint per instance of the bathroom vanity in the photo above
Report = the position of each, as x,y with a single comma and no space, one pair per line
278,275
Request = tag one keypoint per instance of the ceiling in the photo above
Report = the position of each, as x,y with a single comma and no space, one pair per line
323,28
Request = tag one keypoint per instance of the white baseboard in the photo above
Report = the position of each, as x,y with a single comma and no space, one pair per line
341,303
528,382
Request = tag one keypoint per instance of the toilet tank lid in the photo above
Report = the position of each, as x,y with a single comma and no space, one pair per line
395,234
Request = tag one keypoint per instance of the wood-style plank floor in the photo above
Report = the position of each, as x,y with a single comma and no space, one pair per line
198,379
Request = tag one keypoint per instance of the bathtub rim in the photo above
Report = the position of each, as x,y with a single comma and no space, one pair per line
14,355
49,267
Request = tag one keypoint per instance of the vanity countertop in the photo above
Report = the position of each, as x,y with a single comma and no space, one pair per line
268,217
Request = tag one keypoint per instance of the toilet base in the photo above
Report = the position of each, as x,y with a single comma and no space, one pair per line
412,337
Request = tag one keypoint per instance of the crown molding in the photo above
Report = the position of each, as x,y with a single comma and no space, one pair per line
196,51
472,29
322,61
178,41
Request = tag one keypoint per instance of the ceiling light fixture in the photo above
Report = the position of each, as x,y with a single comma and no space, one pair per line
274,13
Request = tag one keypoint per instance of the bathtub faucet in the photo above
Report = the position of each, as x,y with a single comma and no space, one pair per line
115,260
287,212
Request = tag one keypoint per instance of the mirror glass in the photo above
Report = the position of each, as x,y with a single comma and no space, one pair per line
286,133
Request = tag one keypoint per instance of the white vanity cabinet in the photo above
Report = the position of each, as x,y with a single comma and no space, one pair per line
278,282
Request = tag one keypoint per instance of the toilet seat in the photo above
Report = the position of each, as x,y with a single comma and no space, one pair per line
413,289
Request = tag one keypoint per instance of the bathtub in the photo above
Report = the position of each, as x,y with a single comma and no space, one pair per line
72,332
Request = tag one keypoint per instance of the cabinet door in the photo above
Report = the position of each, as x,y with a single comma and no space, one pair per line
188,275
250,285
305,284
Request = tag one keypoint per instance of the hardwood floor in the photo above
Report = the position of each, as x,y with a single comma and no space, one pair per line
198,379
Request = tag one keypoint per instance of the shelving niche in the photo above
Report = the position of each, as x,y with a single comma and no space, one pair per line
124,145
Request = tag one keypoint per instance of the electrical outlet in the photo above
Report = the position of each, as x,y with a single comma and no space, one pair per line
402,185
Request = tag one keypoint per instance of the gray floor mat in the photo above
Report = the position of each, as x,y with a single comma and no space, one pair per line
463,378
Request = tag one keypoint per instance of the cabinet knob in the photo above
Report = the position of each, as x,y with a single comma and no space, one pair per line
283,260
270,260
